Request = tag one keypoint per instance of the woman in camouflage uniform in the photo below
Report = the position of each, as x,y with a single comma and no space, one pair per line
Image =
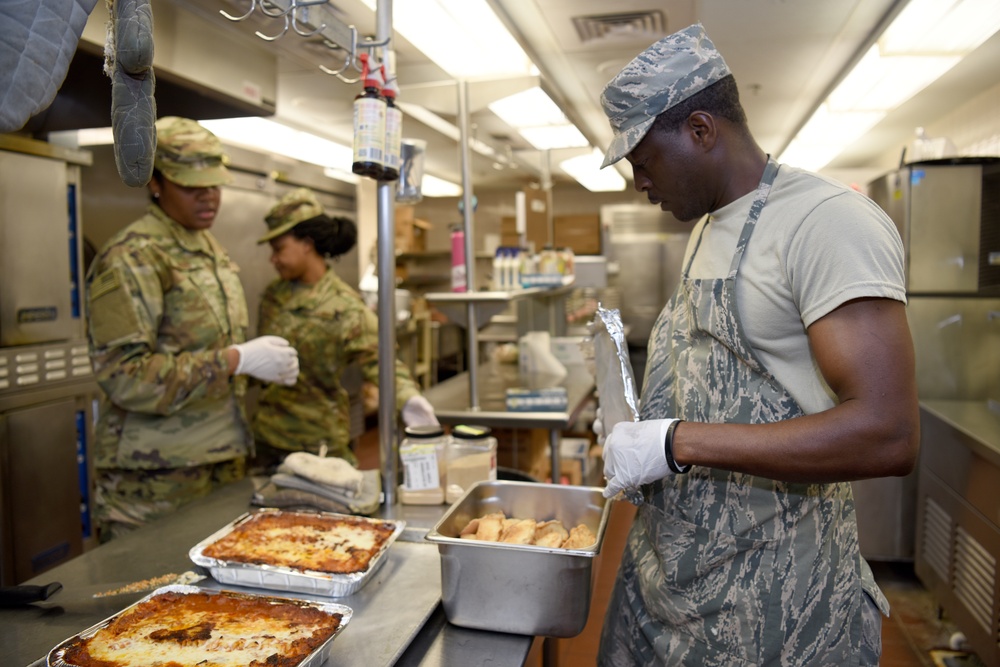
329,325
167,321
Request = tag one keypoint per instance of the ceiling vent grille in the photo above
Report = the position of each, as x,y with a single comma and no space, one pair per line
629,25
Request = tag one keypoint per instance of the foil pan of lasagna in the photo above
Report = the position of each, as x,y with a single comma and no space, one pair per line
318,553
190,626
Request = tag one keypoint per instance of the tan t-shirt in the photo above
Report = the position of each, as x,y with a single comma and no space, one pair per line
817,245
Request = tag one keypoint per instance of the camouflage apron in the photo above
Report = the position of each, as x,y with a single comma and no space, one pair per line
724,568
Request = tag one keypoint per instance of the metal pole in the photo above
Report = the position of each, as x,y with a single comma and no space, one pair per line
471,328
386,244
550,228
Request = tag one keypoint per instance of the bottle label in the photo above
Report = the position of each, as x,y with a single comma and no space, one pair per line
369,130
420,467
458,278
393,136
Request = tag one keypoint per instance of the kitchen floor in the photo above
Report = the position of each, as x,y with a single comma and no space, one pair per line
914,635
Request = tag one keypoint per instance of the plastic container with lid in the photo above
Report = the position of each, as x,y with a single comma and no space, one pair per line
422,454
471,457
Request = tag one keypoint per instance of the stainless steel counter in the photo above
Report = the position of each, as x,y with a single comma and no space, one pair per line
979,420
397,615
958,516
451,400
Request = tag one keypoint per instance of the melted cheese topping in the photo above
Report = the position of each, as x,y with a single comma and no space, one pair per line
207,630
339,545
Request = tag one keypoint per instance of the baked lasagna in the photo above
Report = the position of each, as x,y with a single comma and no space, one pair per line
327,543
203,629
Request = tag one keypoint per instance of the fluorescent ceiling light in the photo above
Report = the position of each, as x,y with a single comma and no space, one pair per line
554,136
92,136
955,27
537,118
432,186
882,83
924,41
528,108
586,169
272,137
463,37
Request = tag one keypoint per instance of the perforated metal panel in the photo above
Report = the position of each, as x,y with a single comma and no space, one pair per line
974,578
936,542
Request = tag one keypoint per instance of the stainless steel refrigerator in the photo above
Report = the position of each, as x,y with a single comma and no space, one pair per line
644,247
948,214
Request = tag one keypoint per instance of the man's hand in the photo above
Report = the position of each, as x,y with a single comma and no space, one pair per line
268,358
634,455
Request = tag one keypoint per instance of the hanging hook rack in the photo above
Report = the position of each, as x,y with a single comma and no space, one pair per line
298,5
349,58
281,12
336,35
281,34
253,6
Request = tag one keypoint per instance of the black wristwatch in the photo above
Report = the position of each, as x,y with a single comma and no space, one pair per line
668,450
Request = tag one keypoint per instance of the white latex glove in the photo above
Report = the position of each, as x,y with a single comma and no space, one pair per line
418,411
598,426
633,455
269,358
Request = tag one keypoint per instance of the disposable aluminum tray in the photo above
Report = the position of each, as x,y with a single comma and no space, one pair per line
281,578
315,659
521,589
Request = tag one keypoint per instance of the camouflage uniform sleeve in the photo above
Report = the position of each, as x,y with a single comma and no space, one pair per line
363,348
125,298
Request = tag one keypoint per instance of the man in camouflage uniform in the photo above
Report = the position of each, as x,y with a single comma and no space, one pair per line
781,369
167,321
329,325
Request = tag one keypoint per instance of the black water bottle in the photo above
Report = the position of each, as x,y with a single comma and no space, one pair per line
369,124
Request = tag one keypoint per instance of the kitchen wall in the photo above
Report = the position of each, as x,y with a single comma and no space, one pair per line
973,126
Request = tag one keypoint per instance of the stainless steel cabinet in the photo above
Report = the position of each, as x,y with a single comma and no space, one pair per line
958,520
36,280
40,487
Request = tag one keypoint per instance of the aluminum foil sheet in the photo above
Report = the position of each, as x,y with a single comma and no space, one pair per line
615,383
280,578
315,659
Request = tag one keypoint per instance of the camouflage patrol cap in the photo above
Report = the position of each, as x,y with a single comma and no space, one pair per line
665,74
189,155
295,207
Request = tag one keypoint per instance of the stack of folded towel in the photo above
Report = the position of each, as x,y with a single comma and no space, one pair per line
330,484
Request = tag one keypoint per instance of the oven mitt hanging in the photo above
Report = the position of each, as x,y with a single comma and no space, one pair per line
128,60
37,43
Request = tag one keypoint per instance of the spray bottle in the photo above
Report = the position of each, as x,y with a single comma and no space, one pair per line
369,124
393,128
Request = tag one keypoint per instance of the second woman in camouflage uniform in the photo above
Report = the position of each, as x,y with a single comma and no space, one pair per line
330,326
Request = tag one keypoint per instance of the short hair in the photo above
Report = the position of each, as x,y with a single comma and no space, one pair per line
721,99
331,236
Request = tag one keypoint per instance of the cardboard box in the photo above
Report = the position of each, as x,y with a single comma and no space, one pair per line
520,449
575,464
411,232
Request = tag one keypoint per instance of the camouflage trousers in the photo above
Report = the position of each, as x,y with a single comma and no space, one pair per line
126,499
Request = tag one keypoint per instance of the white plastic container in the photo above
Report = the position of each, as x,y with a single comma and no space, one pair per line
471,456
422,455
